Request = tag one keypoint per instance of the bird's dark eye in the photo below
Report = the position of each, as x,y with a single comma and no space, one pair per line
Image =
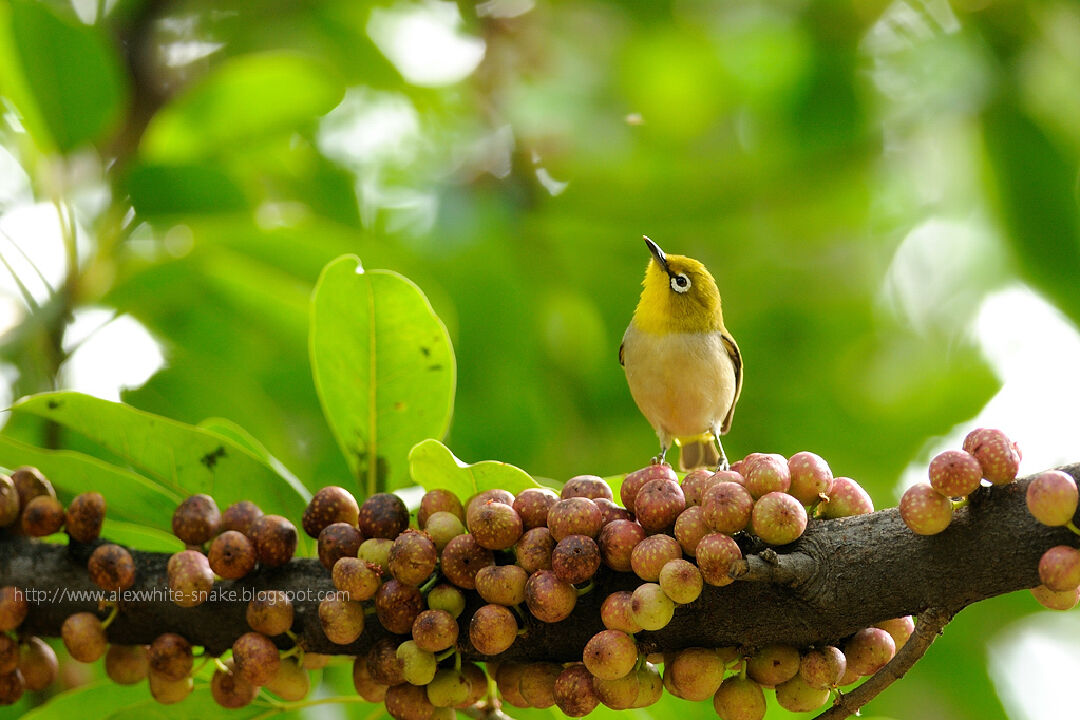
680,283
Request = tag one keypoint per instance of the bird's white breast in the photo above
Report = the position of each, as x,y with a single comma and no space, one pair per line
684,383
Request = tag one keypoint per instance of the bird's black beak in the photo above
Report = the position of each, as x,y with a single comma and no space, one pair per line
657,253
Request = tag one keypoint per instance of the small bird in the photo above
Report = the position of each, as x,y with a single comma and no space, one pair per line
684,369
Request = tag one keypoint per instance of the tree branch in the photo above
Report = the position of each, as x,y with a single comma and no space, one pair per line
928,626
842,575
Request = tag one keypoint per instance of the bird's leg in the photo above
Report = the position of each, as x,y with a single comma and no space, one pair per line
659,459
723,458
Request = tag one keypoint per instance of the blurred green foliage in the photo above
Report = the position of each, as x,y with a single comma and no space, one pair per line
215,156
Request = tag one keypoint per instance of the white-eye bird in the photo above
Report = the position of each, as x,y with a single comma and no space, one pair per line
684,369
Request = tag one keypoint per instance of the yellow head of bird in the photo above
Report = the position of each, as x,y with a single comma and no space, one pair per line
678,296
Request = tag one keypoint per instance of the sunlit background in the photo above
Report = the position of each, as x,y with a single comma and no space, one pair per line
887,193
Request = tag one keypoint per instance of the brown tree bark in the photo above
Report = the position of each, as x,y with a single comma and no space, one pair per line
842,575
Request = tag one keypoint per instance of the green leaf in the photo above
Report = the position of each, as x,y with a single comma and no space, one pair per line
180,457
383,366
1037,185
105,700
242,102
432,465
130,496
70,84
138,535
159,189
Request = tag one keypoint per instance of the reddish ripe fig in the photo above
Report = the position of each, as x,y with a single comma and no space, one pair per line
651,554
778,518
773,664
492,629
383,515
616,612
13,608
533,504
503,584
338,540
690,527
342,620
574,691
241,516
328,506
575,559
533,550
869,650
767,473
811,477
85,515
924,510
462,558
127,664
111,567
846,498
1059,568
716,553
610,512
681,581
617,542
270,612
633,482
900,628
696,673
397,605
84,637
574,516
588,486
9,501
955,473
823,667
170,657
658,504
232,555
190,578
1056,599
256,658
998,457
43,515
695,483
439,500
435,630
412,557
726,507
1052,498
196,520
495,526
37,663
610,654
357,578
29,484
275,540
549,599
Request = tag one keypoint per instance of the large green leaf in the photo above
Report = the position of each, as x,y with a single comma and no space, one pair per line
130,496
432,465
244,100
70,84
1037,186
383,366
172,189
180,457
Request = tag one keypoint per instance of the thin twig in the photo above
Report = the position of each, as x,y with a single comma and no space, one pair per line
928,626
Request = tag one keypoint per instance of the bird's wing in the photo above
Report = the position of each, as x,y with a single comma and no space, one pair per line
622,360
736,360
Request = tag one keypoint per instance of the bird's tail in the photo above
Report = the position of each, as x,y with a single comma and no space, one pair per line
698,451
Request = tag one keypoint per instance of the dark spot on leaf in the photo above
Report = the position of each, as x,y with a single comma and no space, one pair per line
399,406
210,459
426,351
435,368
54,404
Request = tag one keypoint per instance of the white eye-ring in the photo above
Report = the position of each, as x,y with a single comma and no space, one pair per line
680,283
